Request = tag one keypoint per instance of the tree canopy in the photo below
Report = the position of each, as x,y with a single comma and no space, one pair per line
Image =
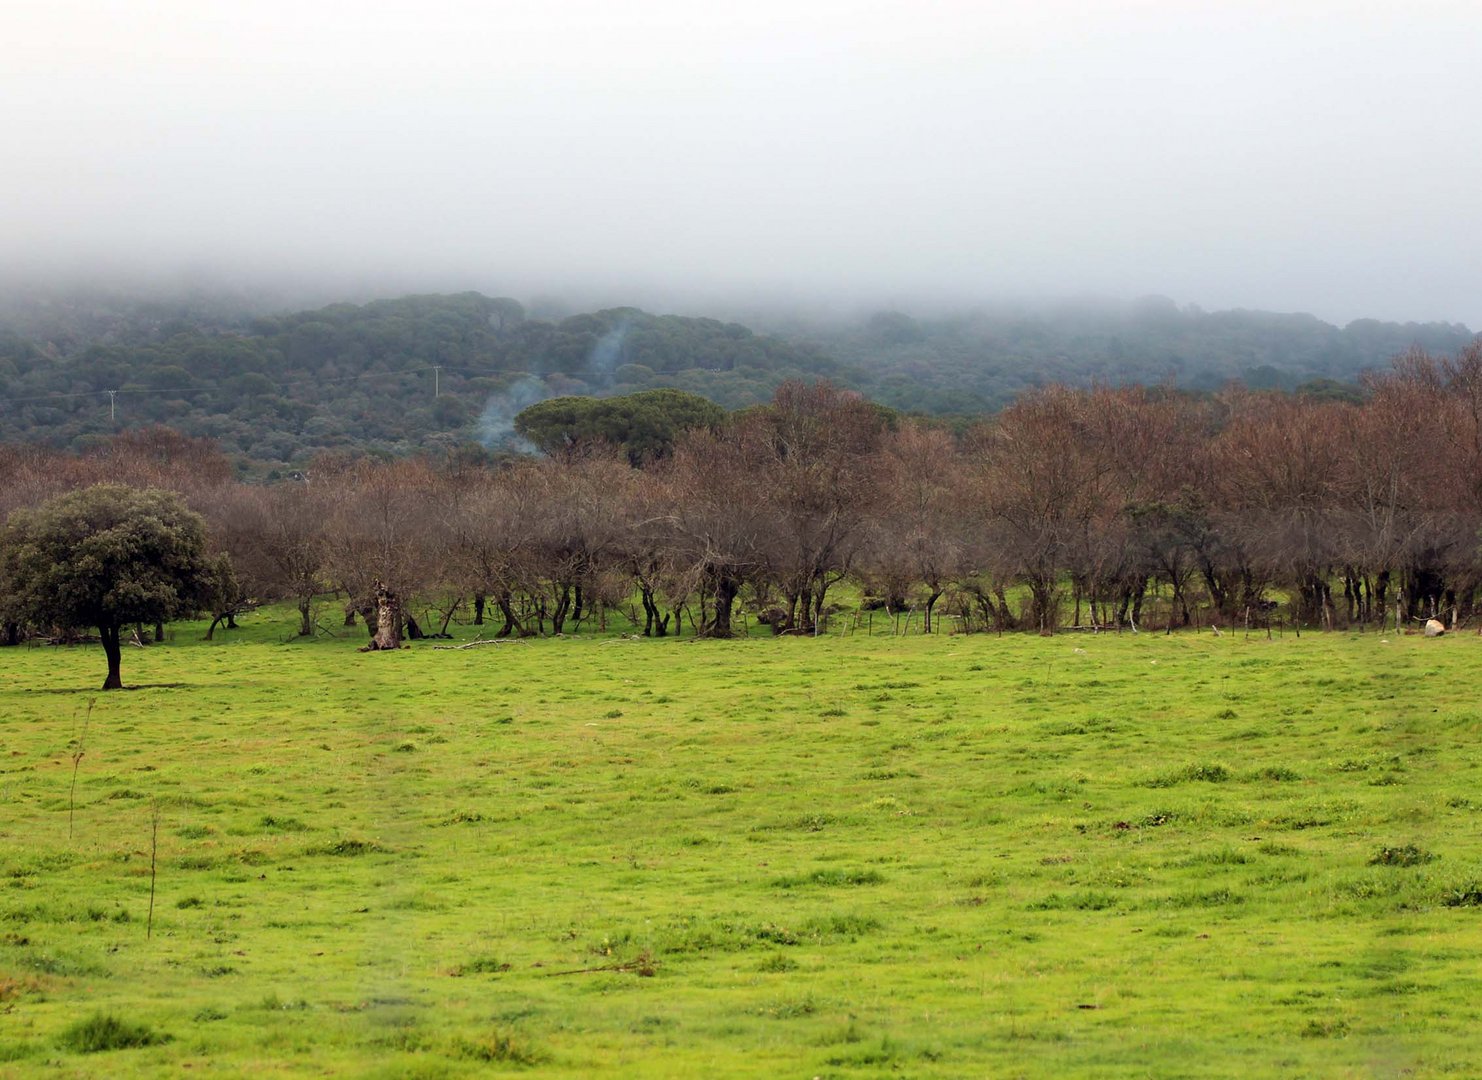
644,425
107,556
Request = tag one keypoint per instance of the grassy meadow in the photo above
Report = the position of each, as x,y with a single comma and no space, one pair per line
956,856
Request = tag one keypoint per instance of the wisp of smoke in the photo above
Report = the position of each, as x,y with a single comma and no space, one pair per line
496,425
604,357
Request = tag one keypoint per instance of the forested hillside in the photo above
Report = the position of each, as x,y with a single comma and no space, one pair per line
393,376
385,376
982,359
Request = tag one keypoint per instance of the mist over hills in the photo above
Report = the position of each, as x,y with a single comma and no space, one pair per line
980,359
276,386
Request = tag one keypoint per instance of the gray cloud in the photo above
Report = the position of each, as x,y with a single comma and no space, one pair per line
1316,156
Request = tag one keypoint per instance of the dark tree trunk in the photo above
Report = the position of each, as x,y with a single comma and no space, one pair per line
563,605
931,603
111,650
1312,597
349,616
159,632
819,603
1218,594
387,634
1004,617
305,623
414,630
478,609
1180,603
12,633
215,622
506,609
725,600
719,623
655,622
231,620
1042,612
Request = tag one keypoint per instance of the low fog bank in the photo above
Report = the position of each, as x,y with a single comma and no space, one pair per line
735,159
32,300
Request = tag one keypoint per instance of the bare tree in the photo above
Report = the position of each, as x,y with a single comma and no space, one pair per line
918,531
376,515
715,520
1045,483
817,444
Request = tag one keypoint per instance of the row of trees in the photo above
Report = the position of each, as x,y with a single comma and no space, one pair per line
1069,505
360,378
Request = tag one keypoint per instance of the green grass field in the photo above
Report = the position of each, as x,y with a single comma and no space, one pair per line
929,857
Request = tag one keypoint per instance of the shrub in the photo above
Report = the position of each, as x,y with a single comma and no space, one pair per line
1324,1029
349,847
1209,774
463,817
1409,855
282,824
101,1032
498,1047
1464,894
1277,772
480,965
832,878
1083,901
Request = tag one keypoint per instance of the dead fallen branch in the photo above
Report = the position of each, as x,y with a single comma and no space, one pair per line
643,967
482,641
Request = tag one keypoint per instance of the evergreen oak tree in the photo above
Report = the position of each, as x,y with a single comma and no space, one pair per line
108,556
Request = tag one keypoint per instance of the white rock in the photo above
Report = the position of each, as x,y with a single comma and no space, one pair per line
1434,628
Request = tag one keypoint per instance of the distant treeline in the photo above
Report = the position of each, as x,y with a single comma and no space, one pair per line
1070,505
428,372
979,361
392,376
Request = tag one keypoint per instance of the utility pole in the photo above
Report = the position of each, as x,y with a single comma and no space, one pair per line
436,381
112,394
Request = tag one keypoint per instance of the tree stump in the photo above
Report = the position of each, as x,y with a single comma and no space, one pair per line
388,620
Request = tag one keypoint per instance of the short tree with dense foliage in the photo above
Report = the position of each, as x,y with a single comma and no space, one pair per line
108,556
644,425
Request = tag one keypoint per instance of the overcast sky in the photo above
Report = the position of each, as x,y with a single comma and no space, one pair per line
1307,155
